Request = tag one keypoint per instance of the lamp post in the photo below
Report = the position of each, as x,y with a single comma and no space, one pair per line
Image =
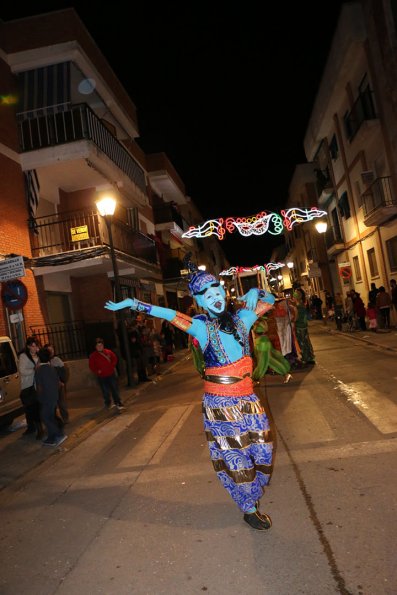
106,207
321,227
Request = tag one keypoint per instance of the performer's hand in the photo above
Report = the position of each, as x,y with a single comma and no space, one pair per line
128,303
267,297
251,298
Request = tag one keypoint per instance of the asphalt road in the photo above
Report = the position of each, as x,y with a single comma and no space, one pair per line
132,505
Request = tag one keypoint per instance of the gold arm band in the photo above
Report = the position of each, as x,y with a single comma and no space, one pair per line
182,321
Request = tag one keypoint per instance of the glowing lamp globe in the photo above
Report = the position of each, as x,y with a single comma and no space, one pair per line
321,226
106,206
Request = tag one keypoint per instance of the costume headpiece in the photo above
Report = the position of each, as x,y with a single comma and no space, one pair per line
197,279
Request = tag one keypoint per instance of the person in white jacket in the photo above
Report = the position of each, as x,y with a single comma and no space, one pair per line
28,361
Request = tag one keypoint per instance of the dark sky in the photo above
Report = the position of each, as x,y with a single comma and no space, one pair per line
224,88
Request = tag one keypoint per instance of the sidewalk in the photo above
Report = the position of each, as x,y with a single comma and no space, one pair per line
86,407
21,455
384,339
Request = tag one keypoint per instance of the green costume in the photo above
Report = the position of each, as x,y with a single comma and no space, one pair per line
265,354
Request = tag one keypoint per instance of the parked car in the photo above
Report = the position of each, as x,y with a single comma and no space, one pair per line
10,383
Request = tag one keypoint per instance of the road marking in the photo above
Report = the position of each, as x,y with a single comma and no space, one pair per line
302,408
376,407
174,432
158,435
349,451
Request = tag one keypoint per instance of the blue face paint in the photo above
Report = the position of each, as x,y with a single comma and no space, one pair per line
212,298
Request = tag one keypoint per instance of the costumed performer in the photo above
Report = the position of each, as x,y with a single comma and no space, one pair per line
235,422
266,355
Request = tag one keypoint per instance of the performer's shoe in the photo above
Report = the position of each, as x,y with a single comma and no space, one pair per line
257,520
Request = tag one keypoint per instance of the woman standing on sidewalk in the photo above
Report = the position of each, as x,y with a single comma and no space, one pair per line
28,361
236,425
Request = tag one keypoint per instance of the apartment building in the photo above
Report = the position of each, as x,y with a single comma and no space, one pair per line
306,259
68,137
351,143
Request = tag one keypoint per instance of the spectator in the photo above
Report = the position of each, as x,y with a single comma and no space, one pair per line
317,303
61,370
383,303
47,384
102,363
350,310
302,329
167,336
137,351
359,310
393,292
338,311
372,318
28,360
373,292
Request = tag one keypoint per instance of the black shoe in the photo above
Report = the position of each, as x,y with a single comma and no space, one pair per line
258,521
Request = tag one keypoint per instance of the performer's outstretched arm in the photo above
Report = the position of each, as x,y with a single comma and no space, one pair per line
189,325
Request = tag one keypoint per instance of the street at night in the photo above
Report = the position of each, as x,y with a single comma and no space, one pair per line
132,505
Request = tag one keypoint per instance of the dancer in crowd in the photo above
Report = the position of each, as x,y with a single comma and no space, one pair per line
236,425
266,356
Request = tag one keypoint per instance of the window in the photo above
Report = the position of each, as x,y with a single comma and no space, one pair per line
344,205
357,270
7,360
373,267
391,246
333,148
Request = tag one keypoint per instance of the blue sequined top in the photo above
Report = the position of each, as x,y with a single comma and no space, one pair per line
214,352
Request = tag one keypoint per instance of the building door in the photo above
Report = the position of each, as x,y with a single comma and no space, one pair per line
58,305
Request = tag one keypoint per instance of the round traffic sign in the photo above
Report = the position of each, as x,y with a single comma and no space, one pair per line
14,294
345,272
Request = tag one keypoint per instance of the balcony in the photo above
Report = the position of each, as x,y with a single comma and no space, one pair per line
379,203
334,241
73,232
324,185
40,130
168,217
172,269
362,112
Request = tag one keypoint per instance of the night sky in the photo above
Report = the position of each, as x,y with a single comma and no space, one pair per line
225,89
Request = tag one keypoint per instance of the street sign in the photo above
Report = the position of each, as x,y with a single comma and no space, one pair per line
11,268
79,233
15,318
14,294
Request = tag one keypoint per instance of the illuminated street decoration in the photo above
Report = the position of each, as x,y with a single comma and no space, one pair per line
298,215
256,225
266,268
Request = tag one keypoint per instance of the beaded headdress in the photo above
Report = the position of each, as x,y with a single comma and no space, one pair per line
197,279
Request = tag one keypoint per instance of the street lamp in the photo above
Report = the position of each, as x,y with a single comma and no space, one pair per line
321,226
106,207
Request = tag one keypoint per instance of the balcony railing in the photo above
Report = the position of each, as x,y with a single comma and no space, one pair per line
167,213
78,122
333,236
378,196
74,230
363,109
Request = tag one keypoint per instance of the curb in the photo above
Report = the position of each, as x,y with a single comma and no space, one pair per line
362,339
83,428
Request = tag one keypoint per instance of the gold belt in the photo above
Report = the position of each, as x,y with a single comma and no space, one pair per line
225,379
